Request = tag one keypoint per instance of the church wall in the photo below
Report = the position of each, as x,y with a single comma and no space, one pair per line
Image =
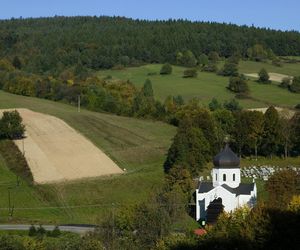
219,172
229,200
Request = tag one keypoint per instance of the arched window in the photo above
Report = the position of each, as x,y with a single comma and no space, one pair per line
233,177
216,177
224,177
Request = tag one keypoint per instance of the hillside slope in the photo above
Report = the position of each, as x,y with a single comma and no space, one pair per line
209,85
55,152
137,145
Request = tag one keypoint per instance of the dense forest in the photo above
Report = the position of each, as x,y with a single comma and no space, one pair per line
54,44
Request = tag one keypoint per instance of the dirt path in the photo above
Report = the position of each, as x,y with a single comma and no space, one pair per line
55,152
273,76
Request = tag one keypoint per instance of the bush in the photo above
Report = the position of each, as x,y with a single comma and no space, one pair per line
263,76
238,84
210,67
190,73
295,86
229,69
54,233
232,105
276,62
166,69
32,231
285,83
11,126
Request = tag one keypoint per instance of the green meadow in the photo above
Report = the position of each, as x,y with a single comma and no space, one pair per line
138,146
209,85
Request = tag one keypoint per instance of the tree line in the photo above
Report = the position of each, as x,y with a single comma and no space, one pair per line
201,133
54,44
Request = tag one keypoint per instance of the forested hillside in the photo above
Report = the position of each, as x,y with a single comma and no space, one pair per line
54,44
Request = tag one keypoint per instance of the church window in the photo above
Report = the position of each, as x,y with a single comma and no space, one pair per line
233,177
224,177
216,177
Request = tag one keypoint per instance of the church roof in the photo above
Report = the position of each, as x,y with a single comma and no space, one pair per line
242,189
205,187
226,159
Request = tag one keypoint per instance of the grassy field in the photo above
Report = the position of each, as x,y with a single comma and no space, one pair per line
209,85
137,145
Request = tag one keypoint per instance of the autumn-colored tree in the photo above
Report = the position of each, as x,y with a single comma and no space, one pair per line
281,187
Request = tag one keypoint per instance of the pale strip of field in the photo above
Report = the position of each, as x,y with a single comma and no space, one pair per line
55,152
282,111
273,76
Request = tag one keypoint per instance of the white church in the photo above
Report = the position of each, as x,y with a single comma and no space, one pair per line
225,191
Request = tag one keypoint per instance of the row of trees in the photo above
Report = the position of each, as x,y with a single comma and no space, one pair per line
201,135
109,95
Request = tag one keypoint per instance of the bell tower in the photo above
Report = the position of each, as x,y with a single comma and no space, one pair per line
226,168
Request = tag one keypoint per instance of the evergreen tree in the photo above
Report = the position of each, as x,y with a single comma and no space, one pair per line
214,104
232,105
271,132
189,148
147,90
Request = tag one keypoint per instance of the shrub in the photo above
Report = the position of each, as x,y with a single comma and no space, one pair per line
263,76
285,83
229,69
55,232
238,84
210,67
166,69
295,86
232,105
32,231
11,126
276,62
190,73
41,231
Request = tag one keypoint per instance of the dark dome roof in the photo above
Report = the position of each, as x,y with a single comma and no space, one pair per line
226,159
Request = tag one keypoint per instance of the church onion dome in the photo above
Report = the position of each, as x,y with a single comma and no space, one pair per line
226,159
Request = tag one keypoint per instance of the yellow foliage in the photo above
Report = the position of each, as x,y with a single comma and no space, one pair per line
70,82
294,204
